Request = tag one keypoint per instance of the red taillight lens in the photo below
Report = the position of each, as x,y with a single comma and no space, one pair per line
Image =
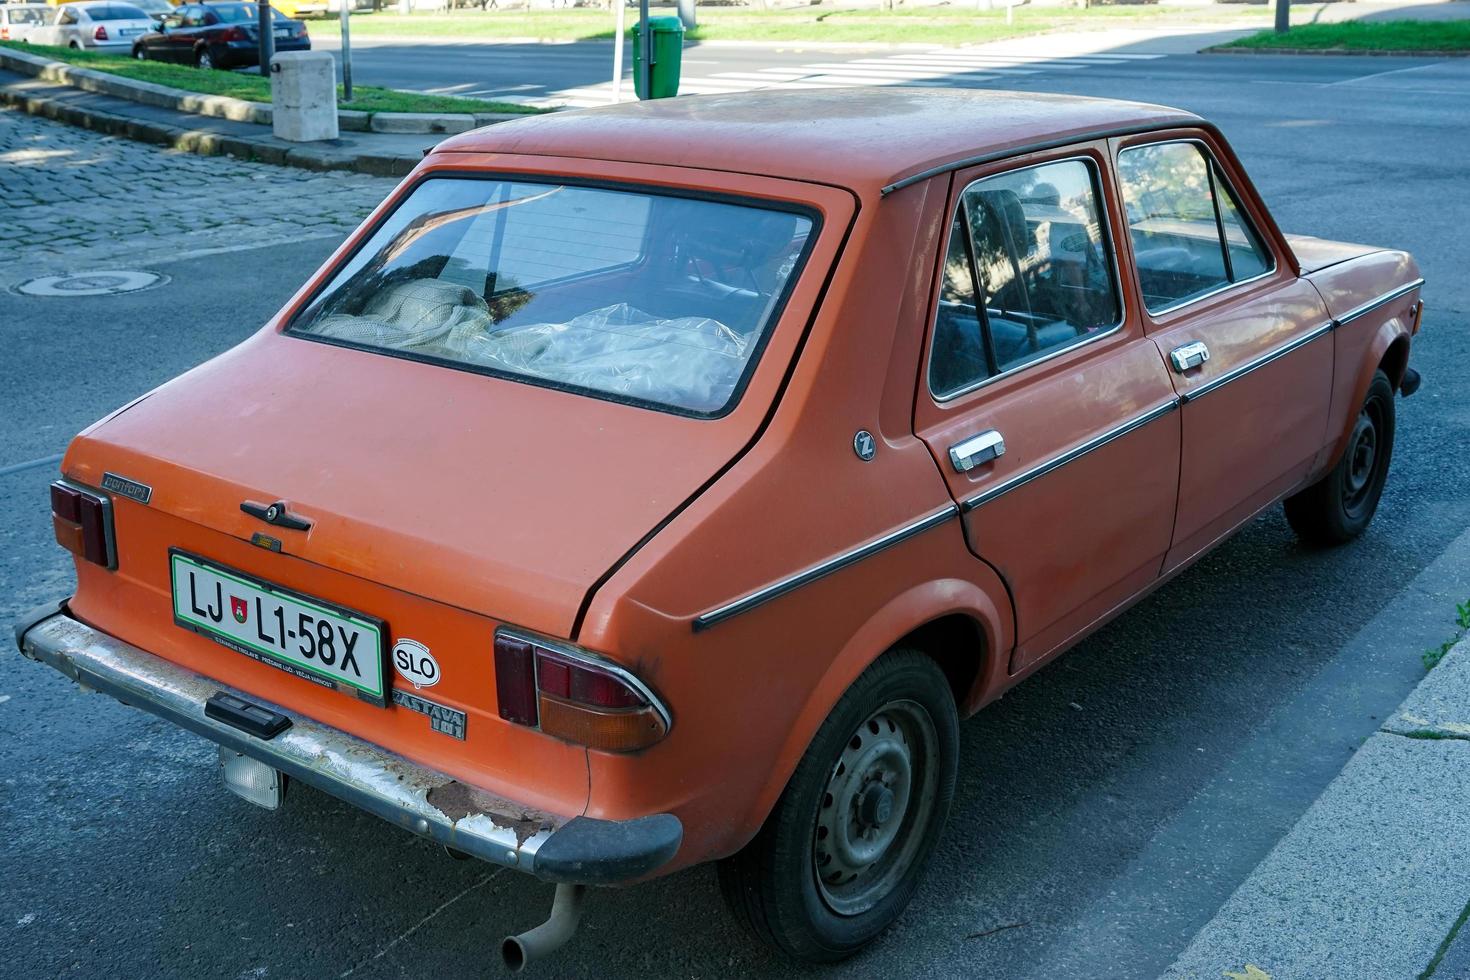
82,522
100,33
235,34
574,695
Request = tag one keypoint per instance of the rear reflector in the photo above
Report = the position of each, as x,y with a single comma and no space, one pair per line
82,520
575,695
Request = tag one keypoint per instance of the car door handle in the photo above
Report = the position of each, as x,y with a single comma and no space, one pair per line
1189,356
977,450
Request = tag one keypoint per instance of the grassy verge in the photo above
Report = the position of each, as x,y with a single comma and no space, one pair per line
239,85
931,25
1387,35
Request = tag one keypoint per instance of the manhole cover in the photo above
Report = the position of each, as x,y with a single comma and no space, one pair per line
104,282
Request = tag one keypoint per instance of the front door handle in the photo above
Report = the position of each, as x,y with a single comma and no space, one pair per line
1189,356
977,450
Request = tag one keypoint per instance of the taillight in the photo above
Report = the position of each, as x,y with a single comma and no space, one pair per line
82,520
575,695
235,34
100,33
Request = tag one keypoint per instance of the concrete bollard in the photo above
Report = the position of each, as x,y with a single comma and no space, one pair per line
304,96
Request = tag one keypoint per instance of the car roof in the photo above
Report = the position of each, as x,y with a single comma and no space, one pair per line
861,138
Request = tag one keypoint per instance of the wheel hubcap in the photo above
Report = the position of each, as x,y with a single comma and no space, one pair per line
874,808
1363,460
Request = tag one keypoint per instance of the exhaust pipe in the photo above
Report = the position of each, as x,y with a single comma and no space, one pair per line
549,936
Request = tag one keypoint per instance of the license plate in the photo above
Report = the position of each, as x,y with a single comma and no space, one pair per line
130,31
307,637
282,34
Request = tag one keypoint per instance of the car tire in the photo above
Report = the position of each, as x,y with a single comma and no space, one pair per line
1339,507
139,54
75,46
203,59
882,764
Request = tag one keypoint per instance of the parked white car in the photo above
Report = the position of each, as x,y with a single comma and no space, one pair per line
18,21
98,25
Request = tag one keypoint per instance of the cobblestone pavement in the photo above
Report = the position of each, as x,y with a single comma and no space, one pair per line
73,198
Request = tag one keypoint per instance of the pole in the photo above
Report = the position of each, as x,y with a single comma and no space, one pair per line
645,77
686,14
617,79
346,54
267,41
1283,16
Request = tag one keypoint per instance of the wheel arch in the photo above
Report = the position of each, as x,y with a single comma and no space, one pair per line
1388,351
963,626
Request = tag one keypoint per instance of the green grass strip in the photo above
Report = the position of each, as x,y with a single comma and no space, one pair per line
255,88
1388,35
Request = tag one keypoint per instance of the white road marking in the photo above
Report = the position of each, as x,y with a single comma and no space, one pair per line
422,922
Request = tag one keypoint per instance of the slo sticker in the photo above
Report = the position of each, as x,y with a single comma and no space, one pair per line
415,663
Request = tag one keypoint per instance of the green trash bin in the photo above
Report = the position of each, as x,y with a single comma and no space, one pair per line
668,49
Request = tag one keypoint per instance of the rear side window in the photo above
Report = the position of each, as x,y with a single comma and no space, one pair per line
117,12
1028,272
640,296
1189,234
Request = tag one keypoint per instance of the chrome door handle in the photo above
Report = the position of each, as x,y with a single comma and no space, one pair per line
1189,356
977,450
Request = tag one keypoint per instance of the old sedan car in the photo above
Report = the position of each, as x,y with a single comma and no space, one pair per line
661,484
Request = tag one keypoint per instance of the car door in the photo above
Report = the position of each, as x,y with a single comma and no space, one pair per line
182,39
1049,412
1247,341
67,30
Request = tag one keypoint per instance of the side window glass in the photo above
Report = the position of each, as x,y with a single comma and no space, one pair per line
67,17
1189,236
1028,272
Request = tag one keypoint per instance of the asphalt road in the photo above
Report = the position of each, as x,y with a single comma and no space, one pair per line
1105,809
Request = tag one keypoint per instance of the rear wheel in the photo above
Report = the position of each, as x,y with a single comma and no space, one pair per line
1339,507
843,850
203,59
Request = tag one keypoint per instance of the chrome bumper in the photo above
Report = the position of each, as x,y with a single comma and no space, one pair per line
577,849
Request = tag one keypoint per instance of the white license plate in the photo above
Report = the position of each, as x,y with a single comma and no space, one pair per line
282,34
130,31
325,644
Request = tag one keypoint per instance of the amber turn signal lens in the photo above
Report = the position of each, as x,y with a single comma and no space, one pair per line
600,728
80,520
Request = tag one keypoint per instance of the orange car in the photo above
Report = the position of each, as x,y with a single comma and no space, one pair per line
661,484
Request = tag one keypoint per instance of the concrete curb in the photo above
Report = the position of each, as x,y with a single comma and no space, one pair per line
237,110
205,143
1374,878
1337,52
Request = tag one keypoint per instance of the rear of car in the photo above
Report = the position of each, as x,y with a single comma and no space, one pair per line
234,42
105,26
25,22
354,549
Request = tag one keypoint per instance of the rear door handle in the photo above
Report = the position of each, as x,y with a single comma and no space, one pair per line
977,450
1189,356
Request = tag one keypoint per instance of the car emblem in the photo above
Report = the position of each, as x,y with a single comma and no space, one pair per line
864,445
276,514
239,609
131,489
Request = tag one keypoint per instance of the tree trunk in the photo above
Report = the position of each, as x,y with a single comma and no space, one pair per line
1283,16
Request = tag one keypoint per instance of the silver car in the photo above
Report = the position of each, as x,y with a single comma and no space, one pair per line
100,25
19,21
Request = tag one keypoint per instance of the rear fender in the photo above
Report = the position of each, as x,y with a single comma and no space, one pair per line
924,603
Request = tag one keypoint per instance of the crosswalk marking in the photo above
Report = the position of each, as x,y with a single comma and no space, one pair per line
941,67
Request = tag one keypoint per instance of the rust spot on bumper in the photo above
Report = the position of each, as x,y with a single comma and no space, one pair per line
458,801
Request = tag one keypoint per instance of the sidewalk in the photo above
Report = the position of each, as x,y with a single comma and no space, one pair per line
1374,879
380,154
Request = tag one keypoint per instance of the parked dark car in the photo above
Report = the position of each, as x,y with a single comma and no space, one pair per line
217,35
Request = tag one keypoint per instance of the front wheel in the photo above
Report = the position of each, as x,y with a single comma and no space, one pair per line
138,53
1339,507
841,853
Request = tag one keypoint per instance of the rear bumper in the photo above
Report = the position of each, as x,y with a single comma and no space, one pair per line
580,850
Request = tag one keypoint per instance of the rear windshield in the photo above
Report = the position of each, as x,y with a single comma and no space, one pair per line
236,13
634,295
119,11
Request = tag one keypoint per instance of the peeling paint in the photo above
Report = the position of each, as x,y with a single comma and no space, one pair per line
458,801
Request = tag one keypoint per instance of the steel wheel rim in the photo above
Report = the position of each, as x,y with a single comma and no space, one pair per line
877,801
1364,458
205,61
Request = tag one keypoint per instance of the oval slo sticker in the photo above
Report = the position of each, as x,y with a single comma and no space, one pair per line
415,663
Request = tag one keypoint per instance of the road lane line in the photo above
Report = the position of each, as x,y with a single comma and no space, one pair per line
30,464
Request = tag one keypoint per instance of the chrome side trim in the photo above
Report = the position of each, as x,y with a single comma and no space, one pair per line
1062,459
1259,362
747,602
1374,304
575,653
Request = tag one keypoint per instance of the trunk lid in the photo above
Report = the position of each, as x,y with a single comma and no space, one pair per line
489,495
